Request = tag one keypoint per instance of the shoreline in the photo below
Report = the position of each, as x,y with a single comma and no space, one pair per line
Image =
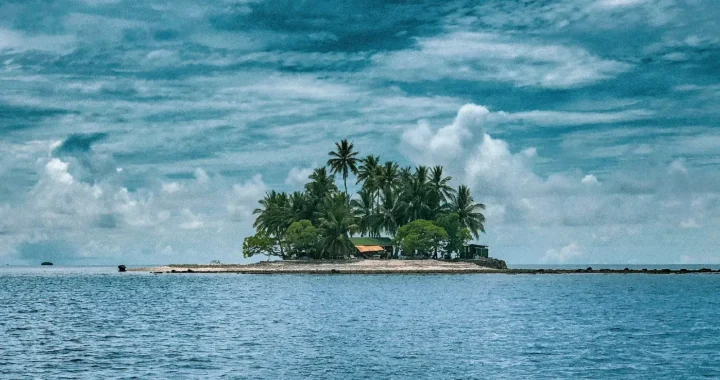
389,267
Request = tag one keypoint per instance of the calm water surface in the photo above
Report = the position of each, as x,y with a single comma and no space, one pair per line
95,323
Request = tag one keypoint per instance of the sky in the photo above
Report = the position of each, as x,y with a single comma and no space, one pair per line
145,132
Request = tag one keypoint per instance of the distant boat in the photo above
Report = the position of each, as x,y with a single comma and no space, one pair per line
46,263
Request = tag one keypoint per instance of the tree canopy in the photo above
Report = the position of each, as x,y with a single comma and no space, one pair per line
421,238
417,206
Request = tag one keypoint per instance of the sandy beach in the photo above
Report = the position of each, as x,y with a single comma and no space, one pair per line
392,267
357,266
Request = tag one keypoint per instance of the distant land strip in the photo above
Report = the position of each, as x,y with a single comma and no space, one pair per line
390,267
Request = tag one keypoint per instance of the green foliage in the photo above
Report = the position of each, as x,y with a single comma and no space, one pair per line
469,211
364,214
458,235
343,160
302,238
261,244
336,224
421,237
416,206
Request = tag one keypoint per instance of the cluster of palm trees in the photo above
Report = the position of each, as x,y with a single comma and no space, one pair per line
389,197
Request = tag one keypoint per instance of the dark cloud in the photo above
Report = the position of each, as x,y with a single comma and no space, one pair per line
79,143
14,118
342,26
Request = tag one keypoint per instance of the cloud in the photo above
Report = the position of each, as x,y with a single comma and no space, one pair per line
17,41
630,199
689,223
494,57
244,198
298,177
191,221
567,253
568,118
618,3
201,176
446,144
171,187
210,96
590,180
78,143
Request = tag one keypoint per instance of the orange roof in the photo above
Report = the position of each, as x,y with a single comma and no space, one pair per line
369,248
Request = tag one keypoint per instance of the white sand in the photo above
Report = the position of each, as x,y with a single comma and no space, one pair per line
358,266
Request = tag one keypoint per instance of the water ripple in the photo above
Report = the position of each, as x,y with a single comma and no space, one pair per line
91,324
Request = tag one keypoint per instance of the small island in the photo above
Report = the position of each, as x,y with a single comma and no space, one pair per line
402,220
398,212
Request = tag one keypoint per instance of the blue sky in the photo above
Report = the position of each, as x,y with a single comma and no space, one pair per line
145,132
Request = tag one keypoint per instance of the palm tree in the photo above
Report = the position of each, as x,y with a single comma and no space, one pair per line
343,160
300,206
321,184
415,197
440,190
405,173
389,176
368,170
362,210
389,213
274,217
336,224
469,211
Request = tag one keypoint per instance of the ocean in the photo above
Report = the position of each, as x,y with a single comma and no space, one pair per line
95,323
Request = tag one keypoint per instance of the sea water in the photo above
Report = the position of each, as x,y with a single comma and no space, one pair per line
95,323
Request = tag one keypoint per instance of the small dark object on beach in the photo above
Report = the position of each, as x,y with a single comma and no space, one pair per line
589,269
705,270
121,268
334,271
644,269
190,271
666,271
172,271
626,270
683,270
46,263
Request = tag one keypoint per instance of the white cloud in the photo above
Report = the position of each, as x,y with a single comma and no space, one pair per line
567,118
567,253
677,167
244,198
618,3
162,57
201,176
485,56
590,180
298,177
631,204
171,188
426,146
58,171
690,223
17,41
191,221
